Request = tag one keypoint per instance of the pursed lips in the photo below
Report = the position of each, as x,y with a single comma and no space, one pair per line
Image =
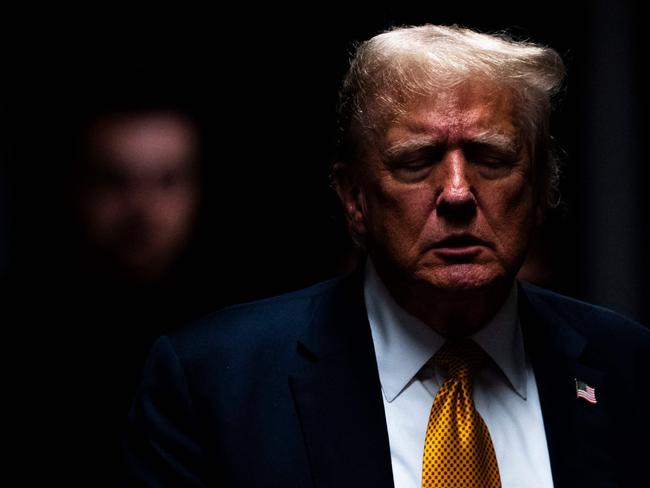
459,241
459,247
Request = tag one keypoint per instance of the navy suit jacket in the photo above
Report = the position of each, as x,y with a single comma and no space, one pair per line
285,392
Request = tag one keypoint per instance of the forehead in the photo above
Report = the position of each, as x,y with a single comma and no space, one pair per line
465,112
143,142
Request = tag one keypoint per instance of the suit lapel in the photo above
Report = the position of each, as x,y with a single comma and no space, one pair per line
336,389
337,393
577,431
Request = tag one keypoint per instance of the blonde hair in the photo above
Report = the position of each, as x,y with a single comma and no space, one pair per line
400,65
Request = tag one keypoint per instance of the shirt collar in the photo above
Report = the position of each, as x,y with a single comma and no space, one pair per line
404,344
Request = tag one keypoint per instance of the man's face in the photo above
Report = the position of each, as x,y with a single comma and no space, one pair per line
139,200
445,199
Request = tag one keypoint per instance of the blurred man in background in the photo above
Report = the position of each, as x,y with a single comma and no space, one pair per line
139,192
130,270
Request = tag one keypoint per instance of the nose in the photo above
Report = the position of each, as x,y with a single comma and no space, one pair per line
455,199
141,202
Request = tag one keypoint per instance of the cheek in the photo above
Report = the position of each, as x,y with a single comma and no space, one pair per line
186,202
510,212
172,206
397,212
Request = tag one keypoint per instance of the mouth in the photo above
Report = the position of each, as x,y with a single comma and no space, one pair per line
459,247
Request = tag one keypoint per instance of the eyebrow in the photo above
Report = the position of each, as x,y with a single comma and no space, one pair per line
495,140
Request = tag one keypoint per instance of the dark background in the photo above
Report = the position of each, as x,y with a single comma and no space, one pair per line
262,81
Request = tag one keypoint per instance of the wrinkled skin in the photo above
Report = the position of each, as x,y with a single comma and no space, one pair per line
445,206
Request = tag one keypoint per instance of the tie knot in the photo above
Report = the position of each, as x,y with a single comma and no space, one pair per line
460,357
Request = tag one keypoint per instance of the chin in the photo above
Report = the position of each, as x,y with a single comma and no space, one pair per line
463,277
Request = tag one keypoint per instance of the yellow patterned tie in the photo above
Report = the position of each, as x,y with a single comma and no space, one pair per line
458,451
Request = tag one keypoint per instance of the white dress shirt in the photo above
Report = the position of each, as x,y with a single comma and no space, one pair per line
505,391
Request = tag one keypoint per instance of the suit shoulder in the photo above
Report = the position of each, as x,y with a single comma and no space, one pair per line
592,320
267,323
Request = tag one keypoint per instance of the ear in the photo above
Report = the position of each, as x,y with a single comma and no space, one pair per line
347,183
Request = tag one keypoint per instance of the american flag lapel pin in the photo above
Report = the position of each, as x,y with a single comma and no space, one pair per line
586,392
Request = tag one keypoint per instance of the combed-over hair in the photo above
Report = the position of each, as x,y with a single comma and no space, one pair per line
396,67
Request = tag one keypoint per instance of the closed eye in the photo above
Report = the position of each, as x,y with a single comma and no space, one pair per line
414,166
491,161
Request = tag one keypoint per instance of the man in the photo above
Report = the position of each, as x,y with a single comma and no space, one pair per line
138,193
136,199
129,273
430,366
